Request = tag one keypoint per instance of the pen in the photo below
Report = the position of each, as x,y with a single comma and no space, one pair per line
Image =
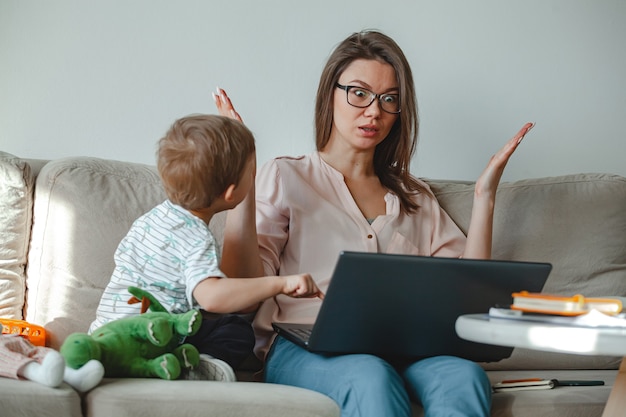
577,383
556,382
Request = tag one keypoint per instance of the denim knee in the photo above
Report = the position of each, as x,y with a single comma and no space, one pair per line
370,386
450,386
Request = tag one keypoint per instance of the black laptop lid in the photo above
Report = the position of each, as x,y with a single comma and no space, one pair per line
405,305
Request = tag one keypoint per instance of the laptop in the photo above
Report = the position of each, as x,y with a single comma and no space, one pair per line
405,306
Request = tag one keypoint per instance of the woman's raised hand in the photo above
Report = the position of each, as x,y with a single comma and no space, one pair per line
480,232
487,183
224,105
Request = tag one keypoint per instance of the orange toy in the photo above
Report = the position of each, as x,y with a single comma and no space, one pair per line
34,333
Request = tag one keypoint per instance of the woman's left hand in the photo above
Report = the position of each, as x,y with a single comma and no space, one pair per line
487,183
479,235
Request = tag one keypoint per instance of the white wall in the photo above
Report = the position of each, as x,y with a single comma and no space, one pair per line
107,78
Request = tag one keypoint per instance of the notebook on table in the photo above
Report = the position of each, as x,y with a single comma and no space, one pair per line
406,306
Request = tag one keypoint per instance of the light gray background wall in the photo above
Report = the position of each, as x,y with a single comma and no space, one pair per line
107,78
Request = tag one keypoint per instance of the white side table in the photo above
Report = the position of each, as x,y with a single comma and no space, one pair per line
553,338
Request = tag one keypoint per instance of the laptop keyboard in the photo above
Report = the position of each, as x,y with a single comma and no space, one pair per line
303,333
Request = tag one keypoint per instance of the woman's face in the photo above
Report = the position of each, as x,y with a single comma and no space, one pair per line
364,128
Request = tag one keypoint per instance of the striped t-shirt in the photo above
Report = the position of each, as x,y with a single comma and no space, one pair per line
167,252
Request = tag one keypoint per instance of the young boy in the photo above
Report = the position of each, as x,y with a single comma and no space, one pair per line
207,164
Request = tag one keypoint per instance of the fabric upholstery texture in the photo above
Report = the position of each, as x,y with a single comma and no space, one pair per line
16,200
111,398
84,205
30,399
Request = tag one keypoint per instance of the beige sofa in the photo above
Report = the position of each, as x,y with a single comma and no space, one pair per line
61,220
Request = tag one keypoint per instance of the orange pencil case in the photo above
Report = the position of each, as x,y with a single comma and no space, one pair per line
34,333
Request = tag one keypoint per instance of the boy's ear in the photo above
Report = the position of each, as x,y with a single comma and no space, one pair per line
228,193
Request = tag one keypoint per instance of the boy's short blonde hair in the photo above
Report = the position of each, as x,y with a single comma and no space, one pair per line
200,156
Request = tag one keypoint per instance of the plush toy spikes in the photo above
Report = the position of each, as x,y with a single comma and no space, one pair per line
146,299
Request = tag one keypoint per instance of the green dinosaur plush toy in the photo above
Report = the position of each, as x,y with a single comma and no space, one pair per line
146,345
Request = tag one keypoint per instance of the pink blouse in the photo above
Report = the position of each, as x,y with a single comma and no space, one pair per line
306,216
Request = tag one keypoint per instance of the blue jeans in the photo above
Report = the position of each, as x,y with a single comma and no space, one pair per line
366,385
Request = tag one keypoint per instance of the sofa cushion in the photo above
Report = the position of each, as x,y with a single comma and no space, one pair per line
16,200
119,397
576,222
29,399
83,207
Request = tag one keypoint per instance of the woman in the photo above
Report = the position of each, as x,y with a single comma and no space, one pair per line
356,193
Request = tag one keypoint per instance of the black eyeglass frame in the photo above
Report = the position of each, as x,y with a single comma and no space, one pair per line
374,96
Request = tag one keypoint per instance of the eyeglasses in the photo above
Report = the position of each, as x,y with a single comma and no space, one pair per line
362,97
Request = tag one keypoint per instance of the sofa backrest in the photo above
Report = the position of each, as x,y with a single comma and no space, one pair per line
576,222
83,208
